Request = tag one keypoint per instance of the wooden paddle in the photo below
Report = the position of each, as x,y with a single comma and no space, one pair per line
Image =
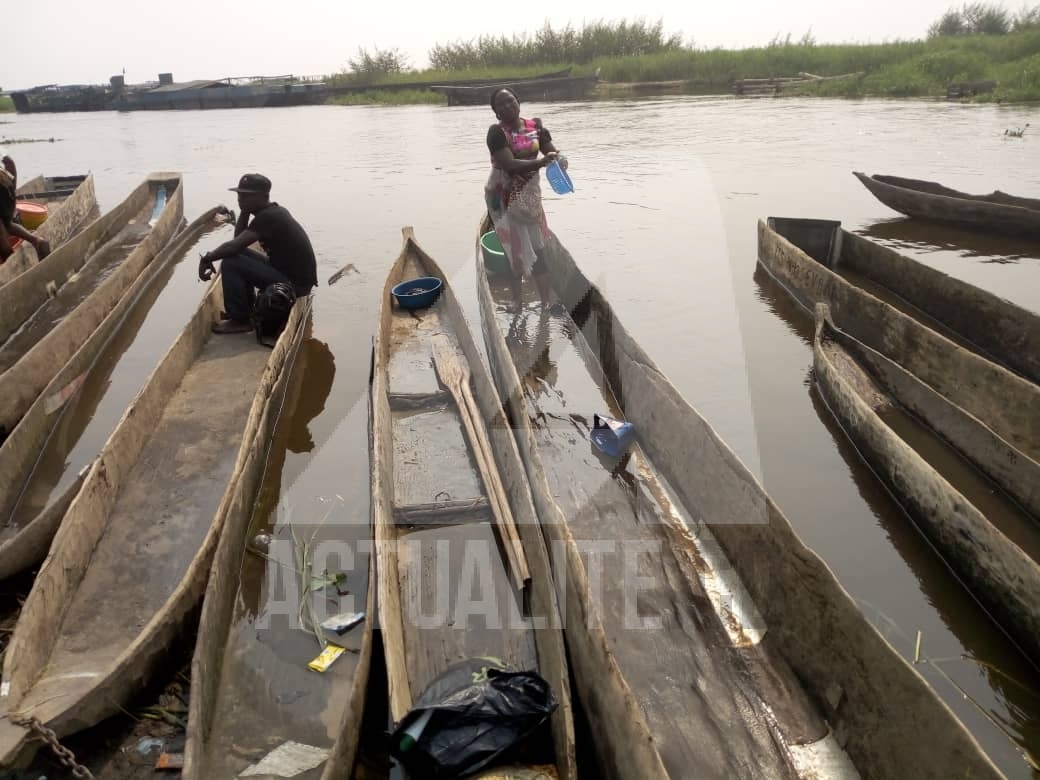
454,373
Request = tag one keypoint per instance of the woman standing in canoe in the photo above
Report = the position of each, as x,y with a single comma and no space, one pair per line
513,192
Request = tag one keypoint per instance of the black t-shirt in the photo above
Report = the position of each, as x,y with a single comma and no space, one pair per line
286,244
496,136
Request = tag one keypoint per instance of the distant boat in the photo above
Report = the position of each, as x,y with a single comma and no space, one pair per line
997,212
250,92
561,86
259,92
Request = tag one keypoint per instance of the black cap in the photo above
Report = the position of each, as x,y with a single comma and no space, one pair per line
253,183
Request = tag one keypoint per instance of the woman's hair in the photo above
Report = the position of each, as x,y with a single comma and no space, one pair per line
498,92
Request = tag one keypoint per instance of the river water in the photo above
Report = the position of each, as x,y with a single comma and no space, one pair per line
668,194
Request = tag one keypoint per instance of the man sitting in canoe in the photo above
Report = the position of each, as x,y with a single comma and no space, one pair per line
290,257
9,227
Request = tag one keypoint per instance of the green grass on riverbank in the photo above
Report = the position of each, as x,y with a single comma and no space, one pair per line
923,68
6,104
899,69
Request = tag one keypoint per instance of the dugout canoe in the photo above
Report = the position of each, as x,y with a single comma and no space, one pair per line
48,312
807,258
550,88
446,475
26,524
129,563
990,542
997,212
253,697
812,659
70,202
985,323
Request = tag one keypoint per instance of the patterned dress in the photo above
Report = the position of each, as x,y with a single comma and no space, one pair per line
515,202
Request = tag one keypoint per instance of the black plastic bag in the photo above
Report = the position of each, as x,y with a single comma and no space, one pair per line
472,714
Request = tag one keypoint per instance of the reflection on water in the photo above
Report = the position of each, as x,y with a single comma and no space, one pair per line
916,234
320,370
669,192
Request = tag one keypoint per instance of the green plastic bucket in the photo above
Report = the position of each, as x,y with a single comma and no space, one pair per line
494,256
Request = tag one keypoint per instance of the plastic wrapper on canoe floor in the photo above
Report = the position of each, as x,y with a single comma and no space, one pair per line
476,714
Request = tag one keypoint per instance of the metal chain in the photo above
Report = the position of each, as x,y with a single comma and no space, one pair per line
65,756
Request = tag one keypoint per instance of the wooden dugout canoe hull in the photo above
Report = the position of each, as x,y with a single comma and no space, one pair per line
857,383
102,287
994,327
24,294
408,339
1000,400
531,90
25,540
212,646
70,203
813,626
997,212
130,561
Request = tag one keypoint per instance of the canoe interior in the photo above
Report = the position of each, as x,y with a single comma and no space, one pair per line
75,210
682,673
70,209
425,442
811,624
986,537
972,317
1003,482
25,293
48,189
35,352
252,690
129,562
71,294
795,252
446,593
45,455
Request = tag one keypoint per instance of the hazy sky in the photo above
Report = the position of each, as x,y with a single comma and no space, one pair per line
61,41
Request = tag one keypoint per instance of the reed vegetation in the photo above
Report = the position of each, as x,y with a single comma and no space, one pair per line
551,46
976,42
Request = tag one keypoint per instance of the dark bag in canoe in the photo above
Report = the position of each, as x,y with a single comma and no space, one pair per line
474,715
271,312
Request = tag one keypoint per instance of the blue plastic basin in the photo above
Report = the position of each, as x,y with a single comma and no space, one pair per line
417,293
